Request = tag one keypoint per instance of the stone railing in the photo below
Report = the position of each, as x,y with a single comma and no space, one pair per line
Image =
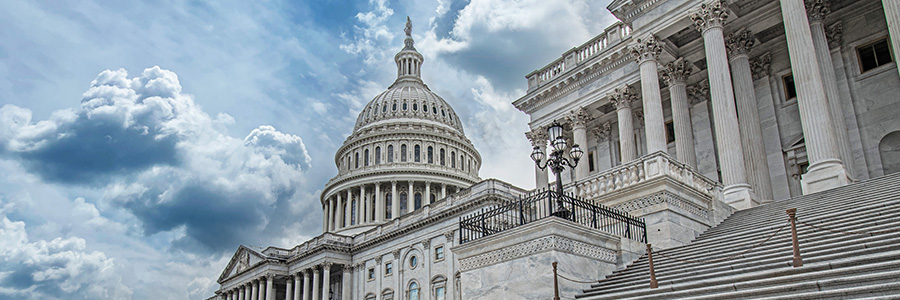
570,59
643,169
399,167
323,239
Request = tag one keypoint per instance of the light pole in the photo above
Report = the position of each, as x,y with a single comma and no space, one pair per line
557,161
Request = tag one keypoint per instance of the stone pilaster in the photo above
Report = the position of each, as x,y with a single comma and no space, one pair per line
289,288
710,20
307,284
395,201
270,291
755,163
379,203
602,133
892,16
579,118
326,280
816,11
826,171
346,280
367,207
538,138
676,74
297,290
339,211
622,98
316,291
645,53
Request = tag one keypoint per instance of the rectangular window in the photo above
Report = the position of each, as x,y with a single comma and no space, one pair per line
439,253
371,273
439,293
790,91
873,55
388,269
591,161
670,132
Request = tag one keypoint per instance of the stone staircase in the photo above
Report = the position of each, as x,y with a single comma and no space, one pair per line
835,265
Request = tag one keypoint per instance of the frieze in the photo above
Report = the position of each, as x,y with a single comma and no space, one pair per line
663,197
535,246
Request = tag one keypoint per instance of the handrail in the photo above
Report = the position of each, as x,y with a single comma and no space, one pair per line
547,203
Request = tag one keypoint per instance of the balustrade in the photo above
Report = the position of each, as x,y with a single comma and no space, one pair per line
641,170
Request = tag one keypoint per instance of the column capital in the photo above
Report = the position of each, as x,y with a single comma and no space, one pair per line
327,264
426,244
537,136
699,91
639,117
623,96
835,35
676,71
579,116
739,43
816,10
269,276
396,253
448,235
711,15
646,49
602,132
378,260
761,66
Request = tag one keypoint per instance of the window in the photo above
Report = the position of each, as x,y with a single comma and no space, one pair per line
439,253
434,110
404,105
413,262
417,201
377,155
453,159
390,153
403,204
388,269
590,158
388,294
430,155
442,156
384,108
462,162
394,106
387,207
873,55
417,153
370,297
413,291
790,91
357,160
415,106
366,158
439,293
425,107
371,274
432,198
443,114
670,132
403,153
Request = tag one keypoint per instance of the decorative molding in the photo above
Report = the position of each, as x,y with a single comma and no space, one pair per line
426,244
449,236
396,254
835,35
647,49
710,15
537,136
622,97
602,131
698,92
663,197
536,246
579,116
739,43
816,10
761,66
676,71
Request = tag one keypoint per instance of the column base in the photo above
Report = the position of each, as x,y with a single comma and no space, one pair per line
824,176
740,196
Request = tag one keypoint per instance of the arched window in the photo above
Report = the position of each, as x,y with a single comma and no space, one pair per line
388,206
439,283
388,294
442,156
425,107
453,159
402,204
366,158
390,153
417,156
432,198
417,202
890,156
356,160
413,291
370,297
384,108
403,153
394,106
404,105
377,155
434,110
442,113
430,155
415,106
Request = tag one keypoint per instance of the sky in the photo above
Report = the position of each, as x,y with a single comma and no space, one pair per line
142,142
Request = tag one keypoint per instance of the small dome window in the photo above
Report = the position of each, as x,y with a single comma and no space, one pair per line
434,110
384,108
425,107
443,114
394,107
451,117
415,106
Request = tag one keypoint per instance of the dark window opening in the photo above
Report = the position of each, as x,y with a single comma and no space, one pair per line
390,154
377,155
591,166
442,157
366,158
417,201
670,132
790,91
402,153
874,55
417,154
430,155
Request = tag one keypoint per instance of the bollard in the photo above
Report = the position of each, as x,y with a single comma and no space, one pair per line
653,283
792,214
555,283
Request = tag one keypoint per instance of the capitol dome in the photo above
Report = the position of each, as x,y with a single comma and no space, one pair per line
407,150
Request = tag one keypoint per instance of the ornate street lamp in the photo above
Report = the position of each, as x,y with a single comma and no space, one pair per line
557,161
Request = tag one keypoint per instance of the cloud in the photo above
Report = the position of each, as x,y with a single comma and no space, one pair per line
373,34
160,157
60,268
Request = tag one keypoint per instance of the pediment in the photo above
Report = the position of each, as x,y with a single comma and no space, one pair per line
244,258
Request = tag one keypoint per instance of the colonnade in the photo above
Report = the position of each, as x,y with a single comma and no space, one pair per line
373,203
312,283
742,158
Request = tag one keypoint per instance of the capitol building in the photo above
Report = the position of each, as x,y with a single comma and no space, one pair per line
686,129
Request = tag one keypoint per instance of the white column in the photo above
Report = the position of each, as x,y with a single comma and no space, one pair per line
324,217
622,98
892,15
755,163
579,119
538,138
346,280
426,198
242,293
339,212
297,290
448,256
254,291
826,171
675,74
443,190
365,204
379,204
710,21
270,292
348,212
307,285
410,199
326,280
315,285
395,201
289,288
816,11
645,53
358,206
262,289
330,217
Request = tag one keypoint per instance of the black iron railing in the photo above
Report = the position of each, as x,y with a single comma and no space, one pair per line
547,203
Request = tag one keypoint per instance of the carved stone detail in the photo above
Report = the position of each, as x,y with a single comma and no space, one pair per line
710,15
663,197
646,49
396,254
536,246
426,244
761,66
449,236
816,10
537,136
739,43
639,118
623,97
835,35
676,71
580,116
698,92
601,132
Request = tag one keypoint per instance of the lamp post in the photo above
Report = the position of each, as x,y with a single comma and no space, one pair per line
557,161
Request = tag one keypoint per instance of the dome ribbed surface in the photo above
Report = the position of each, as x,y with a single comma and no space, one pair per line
408,99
